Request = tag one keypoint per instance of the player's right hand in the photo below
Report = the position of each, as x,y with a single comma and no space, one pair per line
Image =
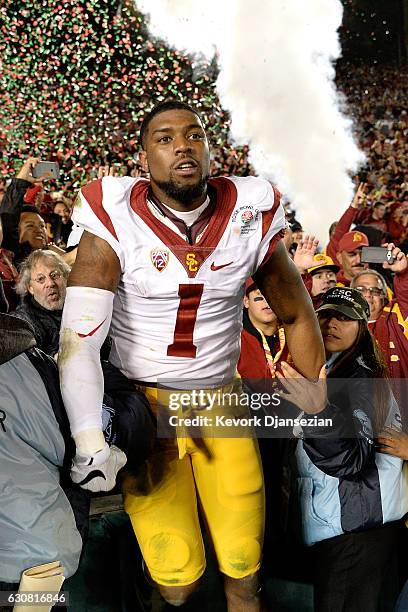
98,472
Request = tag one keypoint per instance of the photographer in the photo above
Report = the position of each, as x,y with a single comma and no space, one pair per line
24,229
388,317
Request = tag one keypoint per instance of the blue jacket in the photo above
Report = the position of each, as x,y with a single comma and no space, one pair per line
43,515
343,484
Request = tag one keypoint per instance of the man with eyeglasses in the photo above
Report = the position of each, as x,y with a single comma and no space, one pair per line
388,317
42,285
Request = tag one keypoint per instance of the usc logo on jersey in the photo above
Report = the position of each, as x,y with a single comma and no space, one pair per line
191,262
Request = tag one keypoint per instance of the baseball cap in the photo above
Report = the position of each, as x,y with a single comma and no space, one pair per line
352,241
349,302
322,262
31,194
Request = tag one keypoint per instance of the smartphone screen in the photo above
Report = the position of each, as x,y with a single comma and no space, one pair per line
376,255
44,167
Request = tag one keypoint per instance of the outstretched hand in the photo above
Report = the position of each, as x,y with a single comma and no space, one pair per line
309,395
108,171
306,250
359,197
26,171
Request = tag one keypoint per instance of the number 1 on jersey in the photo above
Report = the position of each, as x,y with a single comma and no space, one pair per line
190,298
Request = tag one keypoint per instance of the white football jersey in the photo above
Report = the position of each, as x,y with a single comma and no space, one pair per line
177,314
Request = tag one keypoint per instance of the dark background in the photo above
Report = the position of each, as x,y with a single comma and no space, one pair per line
375,31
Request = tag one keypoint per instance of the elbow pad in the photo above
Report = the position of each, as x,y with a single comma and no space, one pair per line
85,324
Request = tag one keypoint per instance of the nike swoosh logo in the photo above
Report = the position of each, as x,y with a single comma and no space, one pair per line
91,333
214,268
91,476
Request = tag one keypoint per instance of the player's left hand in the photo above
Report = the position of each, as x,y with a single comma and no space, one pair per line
309,395
98,472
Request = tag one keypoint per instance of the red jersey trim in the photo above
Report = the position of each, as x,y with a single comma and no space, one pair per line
271,247
225,197
267,218
92,193
268,215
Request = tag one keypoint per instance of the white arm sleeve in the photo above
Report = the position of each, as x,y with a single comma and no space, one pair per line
85,324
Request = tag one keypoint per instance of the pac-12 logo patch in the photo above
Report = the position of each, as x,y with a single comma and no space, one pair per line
159,258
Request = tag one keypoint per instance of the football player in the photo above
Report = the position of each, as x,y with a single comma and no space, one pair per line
162,266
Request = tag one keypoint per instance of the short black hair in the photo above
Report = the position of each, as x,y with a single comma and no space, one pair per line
30,209
166,105
296,227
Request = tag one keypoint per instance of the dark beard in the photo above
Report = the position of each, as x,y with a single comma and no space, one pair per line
184,194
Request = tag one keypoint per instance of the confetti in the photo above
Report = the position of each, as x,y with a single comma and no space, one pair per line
77,78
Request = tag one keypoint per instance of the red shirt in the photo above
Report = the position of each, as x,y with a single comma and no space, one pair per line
391,329
365,217
7,270
397,230
252,362
8,275
343,226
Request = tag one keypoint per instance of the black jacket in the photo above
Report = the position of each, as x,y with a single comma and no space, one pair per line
344,485
45,323
3,300
10,211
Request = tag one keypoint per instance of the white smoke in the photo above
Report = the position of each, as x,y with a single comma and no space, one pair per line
277,81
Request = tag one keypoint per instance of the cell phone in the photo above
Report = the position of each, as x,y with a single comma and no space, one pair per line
52,168
376,255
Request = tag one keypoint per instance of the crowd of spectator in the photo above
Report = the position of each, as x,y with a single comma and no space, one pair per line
376,96
39,241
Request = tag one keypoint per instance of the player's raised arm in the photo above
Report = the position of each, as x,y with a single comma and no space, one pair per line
85,325
281,284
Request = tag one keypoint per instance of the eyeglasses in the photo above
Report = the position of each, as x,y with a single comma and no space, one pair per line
370,291
54,275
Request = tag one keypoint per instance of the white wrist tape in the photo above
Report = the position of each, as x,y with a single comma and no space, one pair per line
85,324
91,442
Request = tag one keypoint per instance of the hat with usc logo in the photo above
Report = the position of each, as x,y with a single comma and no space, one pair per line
352,241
